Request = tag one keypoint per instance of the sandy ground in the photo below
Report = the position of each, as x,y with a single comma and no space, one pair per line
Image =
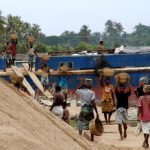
27,125
111,135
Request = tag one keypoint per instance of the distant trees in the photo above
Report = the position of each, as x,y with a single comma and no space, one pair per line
113,31
113,36
14,24
2,23
85,33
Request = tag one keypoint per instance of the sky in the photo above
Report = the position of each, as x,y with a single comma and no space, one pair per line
56,16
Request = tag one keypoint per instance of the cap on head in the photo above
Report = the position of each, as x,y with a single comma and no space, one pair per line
144,80
146,88
88,82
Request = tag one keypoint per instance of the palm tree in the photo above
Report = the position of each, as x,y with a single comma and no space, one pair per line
2,23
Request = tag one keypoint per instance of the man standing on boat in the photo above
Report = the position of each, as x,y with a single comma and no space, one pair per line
45,76
13,48
31,55
87,97
8,54
100,48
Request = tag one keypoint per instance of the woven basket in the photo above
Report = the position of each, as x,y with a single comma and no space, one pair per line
13,36
45,57
122,78
88,82
16,79
31,39
96,127
108,72
64,69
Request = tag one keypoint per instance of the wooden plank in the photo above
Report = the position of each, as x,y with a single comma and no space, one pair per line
25,82
78,72
37,81
46,102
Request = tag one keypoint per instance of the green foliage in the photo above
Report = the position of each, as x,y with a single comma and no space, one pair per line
113,36
21,48
2,23
41,48
84,46
113,31
85,33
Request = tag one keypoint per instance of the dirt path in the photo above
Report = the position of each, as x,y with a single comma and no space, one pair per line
111,135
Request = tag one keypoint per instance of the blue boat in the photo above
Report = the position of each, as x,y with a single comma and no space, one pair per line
89,64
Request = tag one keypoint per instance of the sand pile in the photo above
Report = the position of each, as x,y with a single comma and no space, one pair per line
26,125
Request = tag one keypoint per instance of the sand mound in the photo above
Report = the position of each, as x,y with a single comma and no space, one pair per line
26,125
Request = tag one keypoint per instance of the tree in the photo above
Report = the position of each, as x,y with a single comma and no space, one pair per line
113,31
70,38
84,46
2,23
85,33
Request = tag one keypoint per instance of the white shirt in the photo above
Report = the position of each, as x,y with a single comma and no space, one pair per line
86,95
31,51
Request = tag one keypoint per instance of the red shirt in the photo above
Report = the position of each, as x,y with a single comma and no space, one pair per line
12,47
144,104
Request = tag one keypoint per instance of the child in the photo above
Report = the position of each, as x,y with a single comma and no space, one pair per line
66,115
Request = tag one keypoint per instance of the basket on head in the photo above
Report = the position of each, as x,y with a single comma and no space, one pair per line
146,89
45,57
96,127
13,36
15,79
31,39
123,78
88,82
108,72
64,69
144,80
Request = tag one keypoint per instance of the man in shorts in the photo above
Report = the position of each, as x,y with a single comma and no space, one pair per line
122,93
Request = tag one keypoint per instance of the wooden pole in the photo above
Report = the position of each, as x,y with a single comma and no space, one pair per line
9,71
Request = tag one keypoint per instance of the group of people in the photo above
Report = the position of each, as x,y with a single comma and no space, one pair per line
109,105
10,51
115,99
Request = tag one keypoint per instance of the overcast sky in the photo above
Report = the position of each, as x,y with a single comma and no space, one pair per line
56,16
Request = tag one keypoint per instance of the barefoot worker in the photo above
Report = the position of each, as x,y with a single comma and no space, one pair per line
57,106
108,101
100,48
45,76
87,97
122,94
144,114
139,90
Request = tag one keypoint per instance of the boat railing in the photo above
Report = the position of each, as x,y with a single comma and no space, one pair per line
70,52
